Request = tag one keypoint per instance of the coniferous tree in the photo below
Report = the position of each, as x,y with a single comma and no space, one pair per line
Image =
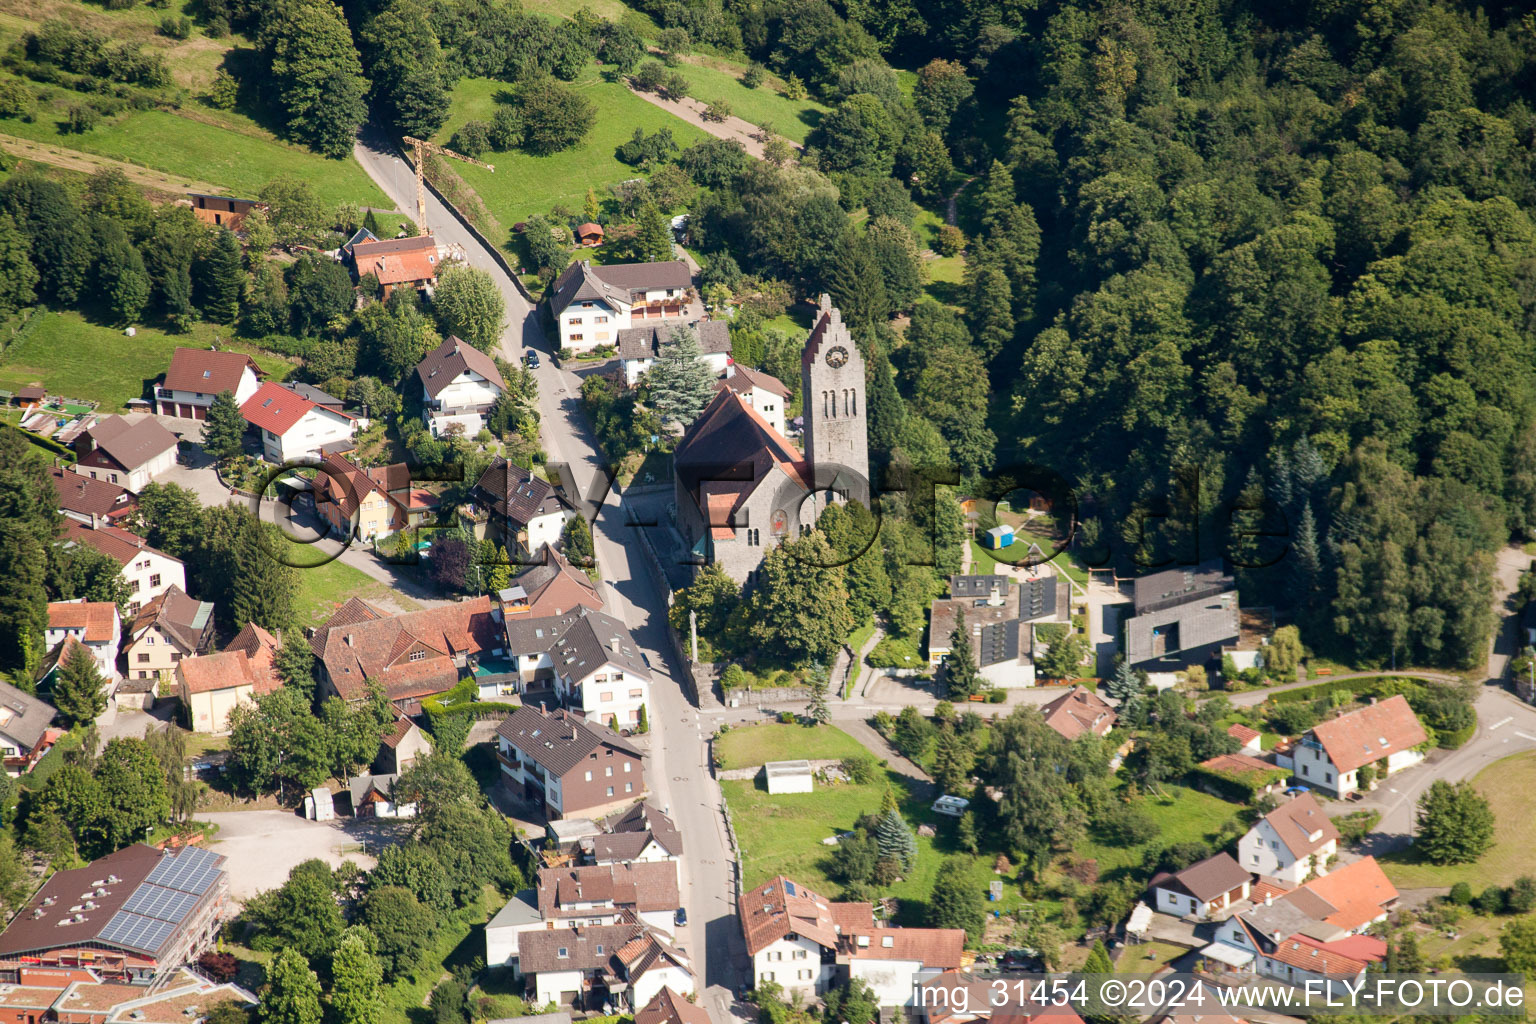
1124,684
23,600
77,688
357,976
952,761
818,708
653,241
224,429
18,277
221,280
856,285
576,540
896,840
120,278
680,383
884,408
295,664
961,677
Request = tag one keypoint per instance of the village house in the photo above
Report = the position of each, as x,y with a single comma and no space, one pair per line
806,944
124,452
639,835
740,487
144,912
602,967
1291,842
459,385
640,347
167,629
1079,711
610,894
585,661
197,376
148,571
26,730
551,587
1251,739
91,501
223,211
959,997
999,619
1183,617
569,765
762,391
515,509
671,1007
1205,889
369,504
292,427
95,625
373,796
1386,734
79,995
591,304
401,747
412,656
411,262
212,686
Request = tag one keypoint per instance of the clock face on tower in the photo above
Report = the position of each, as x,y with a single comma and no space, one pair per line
837,356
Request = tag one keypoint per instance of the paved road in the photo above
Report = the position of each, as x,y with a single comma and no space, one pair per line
678,771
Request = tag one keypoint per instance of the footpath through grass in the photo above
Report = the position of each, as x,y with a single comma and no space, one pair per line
718,79
750,745
1510,787
73,357
523,184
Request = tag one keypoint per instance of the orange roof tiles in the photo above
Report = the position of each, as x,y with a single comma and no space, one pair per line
1358,893
1077,711
204,371
246,661
95,618
1243,734
1370,734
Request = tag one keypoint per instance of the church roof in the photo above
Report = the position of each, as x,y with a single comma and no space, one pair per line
727,452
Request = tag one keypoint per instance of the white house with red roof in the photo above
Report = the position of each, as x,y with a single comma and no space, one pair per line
762,391
96,625
148,571
806,944
197,376
1290,842
1386,734
129,453
293,427
215,684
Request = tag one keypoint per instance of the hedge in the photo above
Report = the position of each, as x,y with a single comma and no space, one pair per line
1237,786
48,445
1381,686
461,701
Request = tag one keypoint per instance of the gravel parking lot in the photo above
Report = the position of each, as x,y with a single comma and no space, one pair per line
263,846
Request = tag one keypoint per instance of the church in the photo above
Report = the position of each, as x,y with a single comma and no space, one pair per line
741,487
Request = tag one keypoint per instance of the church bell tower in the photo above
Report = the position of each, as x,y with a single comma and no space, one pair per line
832,406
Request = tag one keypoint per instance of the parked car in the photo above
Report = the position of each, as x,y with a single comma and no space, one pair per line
1021,960
532,360
682,917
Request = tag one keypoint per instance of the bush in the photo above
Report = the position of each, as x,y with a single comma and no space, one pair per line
753,76
862,768
734,677
1128,825
649,76
717,110
1460,894
177,26
1491,901
894,652
950,241
996,696
1356,825
676,86
1520,897
472,139
787,718
82,117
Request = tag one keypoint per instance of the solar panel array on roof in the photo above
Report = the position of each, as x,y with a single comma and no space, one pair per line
161,903
191,870
135,931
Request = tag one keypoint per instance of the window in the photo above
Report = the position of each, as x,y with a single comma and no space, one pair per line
563,953
418,655
800,954
626,767
608,772
113,477
776,955
573,321
575,337
599,319
606,696
629,787
154,580
589,777
804,975
767,975
141,659
1328,776
610,791
133,586
636,694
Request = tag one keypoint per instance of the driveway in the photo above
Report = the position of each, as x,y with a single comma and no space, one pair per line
263,846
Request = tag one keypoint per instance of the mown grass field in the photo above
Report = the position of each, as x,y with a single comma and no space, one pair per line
524,184
323,588
1183,816
201,143
774,741
1508,785
714,78
73,357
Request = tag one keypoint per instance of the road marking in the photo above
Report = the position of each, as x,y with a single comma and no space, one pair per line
1501,723
1525,736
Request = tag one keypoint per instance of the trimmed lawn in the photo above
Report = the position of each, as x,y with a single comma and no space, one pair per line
718,79
78,359
1148,957
985,561
324,587
782,835
1508,785
750,745
524,184
1184,815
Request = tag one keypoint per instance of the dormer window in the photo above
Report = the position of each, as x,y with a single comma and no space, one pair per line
563,953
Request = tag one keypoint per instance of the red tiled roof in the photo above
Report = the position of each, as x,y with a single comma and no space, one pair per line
1370,733
364,645
781,907
1243,734
276,409
246,661
111,540
1302,825
934,948
400,268
1264,887
1356,894
206,371
644,887
94,617
668,1007
1077,711
1310,955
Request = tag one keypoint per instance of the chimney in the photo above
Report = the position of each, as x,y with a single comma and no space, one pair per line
1276,936
1269,899
347,639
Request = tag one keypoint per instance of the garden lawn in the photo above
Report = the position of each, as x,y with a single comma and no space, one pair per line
1184,816
721,80
78,359
750,745
1510,786
985,560
323,588
239,161
524,184
1148,957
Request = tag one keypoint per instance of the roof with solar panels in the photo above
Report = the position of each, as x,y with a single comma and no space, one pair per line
136,900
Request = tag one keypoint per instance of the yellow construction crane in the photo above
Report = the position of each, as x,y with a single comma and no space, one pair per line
422,148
